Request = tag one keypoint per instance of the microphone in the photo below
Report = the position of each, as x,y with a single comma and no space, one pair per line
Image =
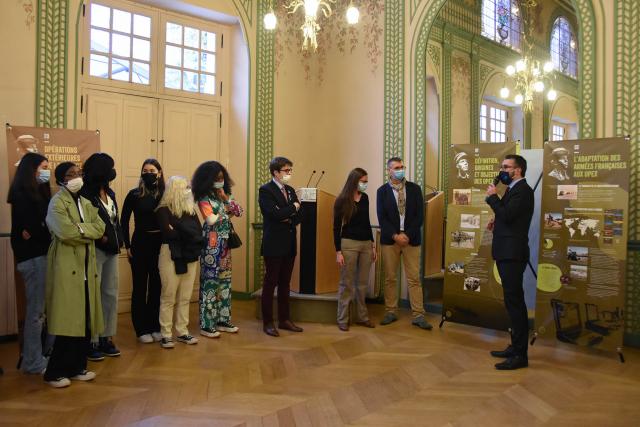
435,190
311,176
496,180
318,181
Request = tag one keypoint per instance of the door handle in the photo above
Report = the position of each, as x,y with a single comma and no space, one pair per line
162,140
153,140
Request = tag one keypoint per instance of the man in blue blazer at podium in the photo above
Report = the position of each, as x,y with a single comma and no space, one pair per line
281,214
400,208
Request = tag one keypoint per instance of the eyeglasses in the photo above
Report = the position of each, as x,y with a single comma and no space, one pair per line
72,175
287,170
506,167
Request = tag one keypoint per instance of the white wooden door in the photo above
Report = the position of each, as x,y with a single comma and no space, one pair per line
190,135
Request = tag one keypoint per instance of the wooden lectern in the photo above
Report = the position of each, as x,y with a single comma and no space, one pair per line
319,272
433,233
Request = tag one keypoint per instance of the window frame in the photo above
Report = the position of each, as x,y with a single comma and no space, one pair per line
493,35
86,57
558,125
488,120
573,60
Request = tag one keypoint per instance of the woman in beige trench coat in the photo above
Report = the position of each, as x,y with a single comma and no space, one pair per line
73,288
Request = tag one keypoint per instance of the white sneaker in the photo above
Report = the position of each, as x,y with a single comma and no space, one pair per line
167,343
145,339
227,327
61,382
187,339
156,336
210,333
84,376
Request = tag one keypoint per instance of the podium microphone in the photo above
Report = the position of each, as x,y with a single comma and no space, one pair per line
311,176
318,181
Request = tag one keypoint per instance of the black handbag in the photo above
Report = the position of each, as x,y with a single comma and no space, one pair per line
234,241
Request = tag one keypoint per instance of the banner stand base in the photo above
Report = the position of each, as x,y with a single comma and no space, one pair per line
442,322
620,355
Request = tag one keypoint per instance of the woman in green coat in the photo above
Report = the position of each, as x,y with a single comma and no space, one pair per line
73,288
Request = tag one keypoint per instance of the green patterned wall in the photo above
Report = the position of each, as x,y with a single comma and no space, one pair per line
393,79
51,63
627,122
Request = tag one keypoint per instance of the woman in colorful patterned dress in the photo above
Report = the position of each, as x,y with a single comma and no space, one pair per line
211,185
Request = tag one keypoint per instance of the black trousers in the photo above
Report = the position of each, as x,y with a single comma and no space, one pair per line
511,273
69,354
277,274
145,295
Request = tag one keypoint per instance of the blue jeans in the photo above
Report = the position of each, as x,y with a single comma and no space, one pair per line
34,274
107,266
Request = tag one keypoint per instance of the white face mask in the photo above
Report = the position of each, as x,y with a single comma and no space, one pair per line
74,185
362,186
218,185
285,178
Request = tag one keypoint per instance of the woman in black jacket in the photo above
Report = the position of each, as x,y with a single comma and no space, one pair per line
143,250
182,243
98,172
29,197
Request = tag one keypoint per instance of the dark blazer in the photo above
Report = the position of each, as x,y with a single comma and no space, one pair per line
513,218
279,220
112,231
389,217
184,237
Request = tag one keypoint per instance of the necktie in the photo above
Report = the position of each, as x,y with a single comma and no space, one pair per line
284,193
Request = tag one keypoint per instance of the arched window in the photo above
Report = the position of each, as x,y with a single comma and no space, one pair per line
564,47
501,22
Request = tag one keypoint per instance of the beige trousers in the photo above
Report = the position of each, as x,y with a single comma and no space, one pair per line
175,294
411,261
354,278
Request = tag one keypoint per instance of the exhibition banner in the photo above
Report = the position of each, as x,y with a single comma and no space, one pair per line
583,242
472,291
472,168
57,145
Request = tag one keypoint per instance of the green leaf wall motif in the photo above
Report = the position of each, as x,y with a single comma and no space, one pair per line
51,63
393,79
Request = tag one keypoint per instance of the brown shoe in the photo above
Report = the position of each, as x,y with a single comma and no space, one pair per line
366,324
289,326
344,327
271,330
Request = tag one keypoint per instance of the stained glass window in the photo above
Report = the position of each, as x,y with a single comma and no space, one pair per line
564,47
501,22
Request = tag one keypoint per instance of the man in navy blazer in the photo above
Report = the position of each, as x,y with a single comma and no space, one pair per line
510,250
400,207
281,214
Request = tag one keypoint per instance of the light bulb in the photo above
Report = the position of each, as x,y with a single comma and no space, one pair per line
504,92
270,21
548,67
552,95
520,65
311,7
518,99
353,15
535,72
538,86
511,70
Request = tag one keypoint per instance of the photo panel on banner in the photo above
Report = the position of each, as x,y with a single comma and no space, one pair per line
583,243
472,291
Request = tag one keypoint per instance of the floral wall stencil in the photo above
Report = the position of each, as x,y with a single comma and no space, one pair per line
334,34
461,77
29,9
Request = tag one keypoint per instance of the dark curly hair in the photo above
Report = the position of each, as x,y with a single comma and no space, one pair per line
97,170
204,177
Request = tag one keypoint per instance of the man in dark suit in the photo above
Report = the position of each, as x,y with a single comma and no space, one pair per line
400,208
281,213
510,250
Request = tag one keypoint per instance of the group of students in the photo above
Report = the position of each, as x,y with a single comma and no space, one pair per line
66,248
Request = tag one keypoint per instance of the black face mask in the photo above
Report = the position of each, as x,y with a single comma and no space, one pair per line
505,178
111,175
150,179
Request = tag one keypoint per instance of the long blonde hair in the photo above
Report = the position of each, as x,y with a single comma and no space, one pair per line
177,197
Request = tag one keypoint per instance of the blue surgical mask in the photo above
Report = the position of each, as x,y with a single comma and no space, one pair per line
505,178
43,176
362,187
218,185
398,174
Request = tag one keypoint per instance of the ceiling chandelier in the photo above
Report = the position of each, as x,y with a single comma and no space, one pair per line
310,27
529,75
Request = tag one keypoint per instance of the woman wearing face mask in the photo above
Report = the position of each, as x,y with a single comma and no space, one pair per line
182,242
212,190
143,250
98,172
29,196
73,306
355,248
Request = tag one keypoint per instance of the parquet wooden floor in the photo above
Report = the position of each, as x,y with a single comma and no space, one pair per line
396,375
